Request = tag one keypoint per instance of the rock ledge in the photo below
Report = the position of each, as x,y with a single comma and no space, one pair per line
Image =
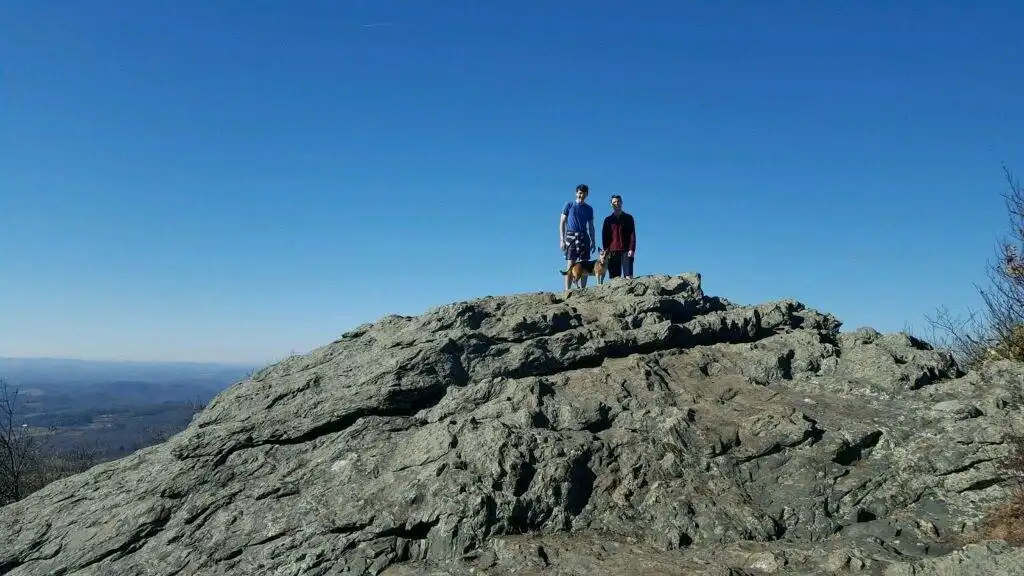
633,428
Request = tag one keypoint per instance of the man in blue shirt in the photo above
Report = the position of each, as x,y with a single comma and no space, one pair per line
576,231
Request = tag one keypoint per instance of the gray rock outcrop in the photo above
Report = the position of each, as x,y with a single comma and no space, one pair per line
632,428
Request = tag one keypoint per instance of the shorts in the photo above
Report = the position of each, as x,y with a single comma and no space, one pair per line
577,247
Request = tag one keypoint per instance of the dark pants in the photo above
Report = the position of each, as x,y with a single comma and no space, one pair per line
620,265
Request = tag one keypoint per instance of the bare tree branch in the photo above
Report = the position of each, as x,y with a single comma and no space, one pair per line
19,451
998,331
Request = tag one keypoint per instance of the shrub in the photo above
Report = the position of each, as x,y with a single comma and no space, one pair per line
996,332
1010,346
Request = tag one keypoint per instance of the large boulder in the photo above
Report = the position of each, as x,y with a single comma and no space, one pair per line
637,427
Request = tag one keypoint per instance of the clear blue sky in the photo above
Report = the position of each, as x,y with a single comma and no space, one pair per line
235,180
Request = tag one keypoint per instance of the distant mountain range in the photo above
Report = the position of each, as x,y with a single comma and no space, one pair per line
113,406
64,371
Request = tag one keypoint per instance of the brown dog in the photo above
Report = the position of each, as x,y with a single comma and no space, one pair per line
577,271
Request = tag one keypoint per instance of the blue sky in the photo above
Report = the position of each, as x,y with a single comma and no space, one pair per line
238,180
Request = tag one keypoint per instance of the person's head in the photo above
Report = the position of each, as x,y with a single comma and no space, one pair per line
582,191
616,203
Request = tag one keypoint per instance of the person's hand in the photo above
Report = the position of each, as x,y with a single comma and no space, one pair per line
561,244
629,254
593,248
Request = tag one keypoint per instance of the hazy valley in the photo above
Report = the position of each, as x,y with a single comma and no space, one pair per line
110,408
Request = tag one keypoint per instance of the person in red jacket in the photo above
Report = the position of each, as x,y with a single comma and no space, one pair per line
618,237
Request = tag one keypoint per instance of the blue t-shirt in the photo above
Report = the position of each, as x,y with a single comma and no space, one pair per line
579,215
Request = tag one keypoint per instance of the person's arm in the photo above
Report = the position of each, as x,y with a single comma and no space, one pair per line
606,234
593,235
561,226
632,235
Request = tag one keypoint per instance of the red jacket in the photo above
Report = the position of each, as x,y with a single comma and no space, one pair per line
618,232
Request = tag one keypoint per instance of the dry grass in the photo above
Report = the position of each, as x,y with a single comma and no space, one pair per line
1006,521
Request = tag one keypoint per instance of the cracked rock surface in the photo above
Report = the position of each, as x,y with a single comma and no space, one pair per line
633,428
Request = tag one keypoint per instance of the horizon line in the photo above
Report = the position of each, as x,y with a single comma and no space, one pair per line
114,360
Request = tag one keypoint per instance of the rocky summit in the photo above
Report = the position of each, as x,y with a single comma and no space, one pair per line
636,427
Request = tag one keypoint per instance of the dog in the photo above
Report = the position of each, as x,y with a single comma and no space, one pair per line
578,270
